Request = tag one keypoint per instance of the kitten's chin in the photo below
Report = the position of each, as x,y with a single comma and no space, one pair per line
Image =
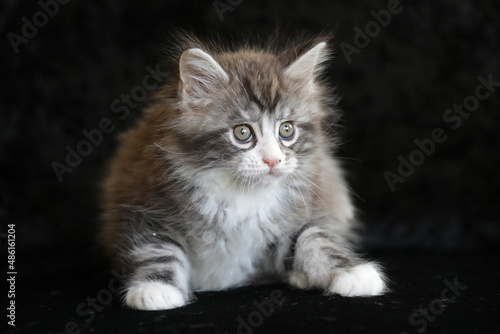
262,180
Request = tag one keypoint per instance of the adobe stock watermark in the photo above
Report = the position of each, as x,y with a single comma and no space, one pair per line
372,29
87,309
121,108
30,28
421,318
453,117
262,311
225,6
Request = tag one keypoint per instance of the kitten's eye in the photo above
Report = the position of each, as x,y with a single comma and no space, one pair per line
286,131
242,133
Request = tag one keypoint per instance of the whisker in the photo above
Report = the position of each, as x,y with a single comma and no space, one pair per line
164,149
303,199
344,184
311,189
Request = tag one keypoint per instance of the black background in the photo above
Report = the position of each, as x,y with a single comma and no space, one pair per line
395,90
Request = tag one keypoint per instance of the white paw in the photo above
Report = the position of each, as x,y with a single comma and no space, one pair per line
299,280
151,296
361,280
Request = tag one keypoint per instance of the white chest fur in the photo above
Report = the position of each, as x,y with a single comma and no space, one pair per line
223,255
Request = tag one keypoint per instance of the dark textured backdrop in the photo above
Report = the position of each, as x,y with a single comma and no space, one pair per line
395,90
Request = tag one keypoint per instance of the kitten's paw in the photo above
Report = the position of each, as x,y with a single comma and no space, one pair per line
361,280
151,296
298,279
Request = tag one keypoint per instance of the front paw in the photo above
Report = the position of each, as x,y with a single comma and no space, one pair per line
152,296
361,280
299,280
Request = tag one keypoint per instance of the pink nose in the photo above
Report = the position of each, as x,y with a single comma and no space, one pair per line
271,162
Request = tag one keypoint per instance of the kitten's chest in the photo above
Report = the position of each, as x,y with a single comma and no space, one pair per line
238,229
239,213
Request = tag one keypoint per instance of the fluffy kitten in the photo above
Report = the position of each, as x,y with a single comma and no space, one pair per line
228,180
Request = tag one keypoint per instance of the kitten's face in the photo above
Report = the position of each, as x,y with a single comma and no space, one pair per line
260,125
264,150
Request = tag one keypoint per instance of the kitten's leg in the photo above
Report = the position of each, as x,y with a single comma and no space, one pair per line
160,277
320,258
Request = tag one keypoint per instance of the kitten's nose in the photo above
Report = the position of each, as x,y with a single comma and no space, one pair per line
271,162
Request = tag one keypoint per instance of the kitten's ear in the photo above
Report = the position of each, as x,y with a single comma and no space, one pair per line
305,67
200,74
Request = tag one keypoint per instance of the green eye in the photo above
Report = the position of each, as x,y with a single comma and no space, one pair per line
286,131
242,133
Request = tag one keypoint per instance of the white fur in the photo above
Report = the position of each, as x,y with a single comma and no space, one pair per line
153,296
268,145
225,257
298,279
361,280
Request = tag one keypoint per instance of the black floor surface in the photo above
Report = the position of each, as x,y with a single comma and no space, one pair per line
58,292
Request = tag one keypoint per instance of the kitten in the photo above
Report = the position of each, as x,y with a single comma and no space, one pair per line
228,180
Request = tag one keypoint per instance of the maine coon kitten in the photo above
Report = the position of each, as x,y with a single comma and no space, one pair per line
228,180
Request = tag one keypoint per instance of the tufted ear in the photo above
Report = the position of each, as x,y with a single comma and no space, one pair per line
305,67
200,74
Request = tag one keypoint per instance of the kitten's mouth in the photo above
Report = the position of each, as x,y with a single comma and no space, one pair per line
271,175
267,177
260,178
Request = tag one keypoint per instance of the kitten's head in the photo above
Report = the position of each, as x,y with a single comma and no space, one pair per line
253,116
